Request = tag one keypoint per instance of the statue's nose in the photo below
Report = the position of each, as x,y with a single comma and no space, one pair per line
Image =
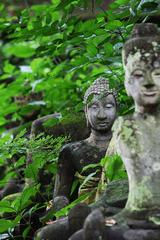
148,83
101,114
149,86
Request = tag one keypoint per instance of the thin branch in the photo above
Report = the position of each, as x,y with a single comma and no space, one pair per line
93,6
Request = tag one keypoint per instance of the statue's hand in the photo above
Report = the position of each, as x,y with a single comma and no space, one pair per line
60,202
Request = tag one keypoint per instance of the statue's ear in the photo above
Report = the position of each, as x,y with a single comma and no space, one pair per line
128,88
85,110
86,114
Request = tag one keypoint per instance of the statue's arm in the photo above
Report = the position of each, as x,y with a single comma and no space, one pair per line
64,178
116,129
111,150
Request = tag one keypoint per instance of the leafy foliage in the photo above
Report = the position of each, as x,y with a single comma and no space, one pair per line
44,151
114,168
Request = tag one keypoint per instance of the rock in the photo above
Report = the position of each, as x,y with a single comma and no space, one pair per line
77,216
94,226
114,198
55,231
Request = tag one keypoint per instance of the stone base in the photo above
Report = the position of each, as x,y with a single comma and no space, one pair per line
142,234
97,227
134,230
128,226
123,232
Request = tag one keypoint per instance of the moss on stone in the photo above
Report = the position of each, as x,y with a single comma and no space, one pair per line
140,196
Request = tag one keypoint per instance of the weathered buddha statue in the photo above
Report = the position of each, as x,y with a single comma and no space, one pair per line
137,141
138,136
100,110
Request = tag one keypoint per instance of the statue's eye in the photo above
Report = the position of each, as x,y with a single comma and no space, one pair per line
109,105
94,106
138,74
156,73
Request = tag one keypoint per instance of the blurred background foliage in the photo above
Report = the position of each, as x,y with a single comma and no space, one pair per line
50,52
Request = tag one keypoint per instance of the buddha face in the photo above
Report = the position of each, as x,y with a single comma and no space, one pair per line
101,112
142,81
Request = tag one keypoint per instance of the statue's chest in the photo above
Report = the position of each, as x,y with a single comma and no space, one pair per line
139,142
86,156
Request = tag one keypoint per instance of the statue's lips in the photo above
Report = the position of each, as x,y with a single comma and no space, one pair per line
150,93
103,124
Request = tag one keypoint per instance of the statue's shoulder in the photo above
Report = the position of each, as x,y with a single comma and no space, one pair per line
38,124
118,128
72,146
65,154
68,152
117,125
121,121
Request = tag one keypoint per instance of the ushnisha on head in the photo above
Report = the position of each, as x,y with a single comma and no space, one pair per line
100,87
100,105
144,42
141,59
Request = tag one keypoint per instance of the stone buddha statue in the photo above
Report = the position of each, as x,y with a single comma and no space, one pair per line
136,139
138,135
101,111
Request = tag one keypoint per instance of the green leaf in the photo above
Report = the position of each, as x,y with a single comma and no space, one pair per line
8,68
114,168
93,165
64,4
21,50
55,2
52,168
2,121
26,231
92,50
74,186
24,199
108,48
32,171
5,207
87,27
37,64
121,2
113,25
64,211
1,6
87,179
20,162
99,39
5,225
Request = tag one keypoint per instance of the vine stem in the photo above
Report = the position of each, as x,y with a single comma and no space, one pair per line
27,5
93,6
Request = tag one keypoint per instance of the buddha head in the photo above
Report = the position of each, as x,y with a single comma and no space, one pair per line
100,105
141,59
